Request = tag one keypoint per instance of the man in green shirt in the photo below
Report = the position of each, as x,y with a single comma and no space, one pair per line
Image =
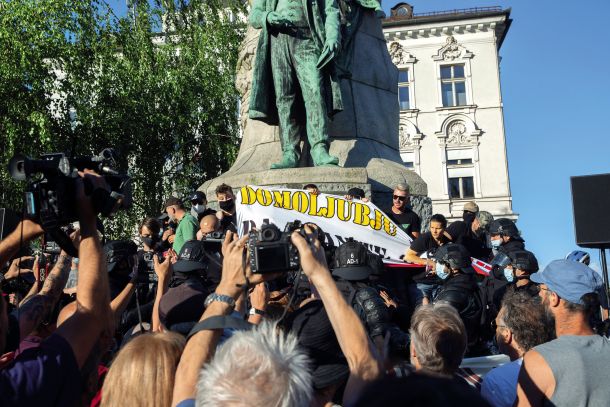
187,224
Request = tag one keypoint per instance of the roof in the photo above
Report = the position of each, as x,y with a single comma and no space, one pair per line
450,16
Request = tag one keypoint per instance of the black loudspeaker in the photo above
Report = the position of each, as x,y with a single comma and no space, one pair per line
9,220
591,206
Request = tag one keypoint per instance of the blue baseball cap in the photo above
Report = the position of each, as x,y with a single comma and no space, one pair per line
569,279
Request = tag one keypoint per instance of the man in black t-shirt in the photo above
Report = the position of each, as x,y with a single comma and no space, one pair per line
426,283
401,213
470,233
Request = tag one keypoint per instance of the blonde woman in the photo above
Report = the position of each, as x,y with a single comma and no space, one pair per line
142,374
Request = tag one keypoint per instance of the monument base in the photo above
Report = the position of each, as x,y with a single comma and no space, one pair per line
376,179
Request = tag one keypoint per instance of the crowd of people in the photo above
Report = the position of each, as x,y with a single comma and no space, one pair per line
177,317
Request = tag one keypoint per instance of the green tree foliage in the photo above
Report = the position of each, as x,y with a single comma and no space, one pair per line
157,85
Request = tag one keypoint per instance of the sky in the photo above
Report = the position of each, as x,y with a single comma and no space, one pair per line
555,75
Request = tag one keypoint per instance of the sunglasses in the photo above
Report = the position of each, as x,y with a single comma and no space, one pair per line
399,197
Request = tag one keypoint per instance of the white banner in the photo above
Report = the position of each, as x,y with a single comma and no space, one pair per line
339,218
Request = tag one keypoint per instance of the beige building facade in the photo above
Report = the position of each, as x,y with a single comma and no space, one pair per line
451,126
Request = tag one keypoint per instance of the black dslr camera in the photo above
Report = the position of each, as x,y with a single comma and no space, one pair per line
271,250
50,198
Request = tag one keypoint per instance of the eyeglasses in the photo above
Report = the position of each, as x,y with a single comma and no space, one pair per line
495,326
399,197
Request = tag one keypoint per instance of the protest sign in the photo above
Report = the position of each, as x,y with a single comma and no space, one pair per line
338,218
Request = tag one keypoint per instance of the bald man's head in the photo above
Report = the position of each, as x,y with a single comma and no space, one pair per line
208,224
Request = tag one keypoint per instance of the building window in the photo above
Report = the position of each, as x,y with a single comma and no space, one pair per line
461,187
453,85
460,173
462,161
403,89
408,158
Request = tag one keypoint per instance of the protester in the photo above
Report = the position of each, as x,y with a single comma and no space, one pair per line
187,223
199,204
470,233
438,339
357,194
420,390
470,211
142,374
226,202
312,189
207,225
570,370
401,212
426,283
150,234
520,325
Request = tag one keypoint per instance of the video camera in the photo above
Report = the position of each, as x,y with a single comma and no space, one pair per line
271,250
50,199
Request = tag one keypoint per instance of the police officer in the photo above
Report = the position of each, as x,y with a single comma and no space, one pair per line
505,236
460,289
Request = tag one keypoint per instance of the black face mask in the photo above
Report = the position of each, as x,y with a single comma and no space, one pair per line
149,241
227,205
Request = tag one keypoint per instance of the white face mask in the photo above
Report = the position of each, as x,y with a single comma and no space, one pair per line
199,208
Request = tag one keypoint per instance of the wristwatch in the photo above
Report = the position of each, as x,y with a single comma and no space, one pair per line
254,311
220,297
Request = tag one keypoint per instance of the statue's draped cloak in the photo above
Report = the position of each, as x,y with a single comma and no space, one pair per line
321,20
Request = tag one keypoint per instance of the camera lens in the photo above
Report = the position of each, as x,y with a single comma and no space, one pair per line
270,233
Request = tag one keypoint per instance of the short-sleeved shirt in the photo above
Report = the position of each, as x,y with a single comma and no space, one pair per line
500,385
44,376
186,230
461,233
425,243
408,221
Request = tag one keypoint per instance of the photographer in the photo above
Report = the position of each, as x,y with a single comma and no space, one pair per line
187,288
50,374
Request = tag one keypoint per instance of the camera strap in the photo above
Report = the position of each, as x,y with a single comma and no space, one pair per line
220,322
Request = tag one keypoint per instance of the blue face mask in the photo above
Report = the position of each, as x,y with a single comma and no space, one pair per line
496,243
508,274
440,271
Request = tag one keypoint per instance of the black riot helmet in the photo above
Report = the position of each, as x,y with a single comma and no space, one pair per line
504,227
454,255
524,260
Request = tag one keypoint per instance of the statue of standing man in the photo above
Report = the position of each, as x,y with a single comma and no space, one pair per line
293,83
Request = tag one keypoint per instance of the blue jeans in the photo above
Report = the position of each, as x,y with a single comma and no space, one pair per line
417,292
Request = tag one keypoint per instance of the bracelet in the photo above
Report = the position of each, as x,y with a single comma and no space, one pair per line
220,297
254,311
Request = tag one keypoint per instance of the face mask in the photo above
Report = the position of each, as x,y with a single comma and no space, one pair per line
440,271
198,208
508,274
227,205
496,243
149,241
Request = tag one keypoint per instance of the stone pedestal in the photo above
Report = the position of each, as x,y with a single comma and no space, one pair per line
364,135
